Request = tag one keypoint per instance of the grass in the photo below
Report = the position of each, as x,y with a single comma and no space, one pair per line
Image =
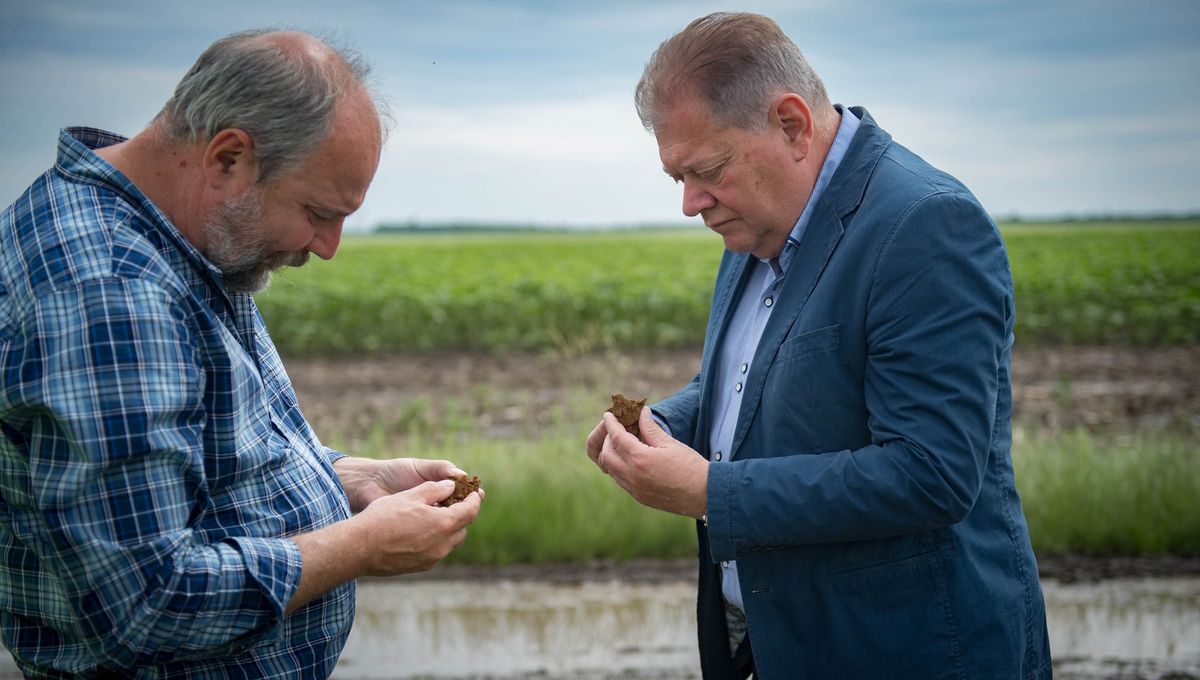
1128,494
1124,494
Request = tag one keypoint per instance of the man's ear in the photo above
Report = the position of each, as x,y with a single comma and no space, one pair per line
229,162
790,114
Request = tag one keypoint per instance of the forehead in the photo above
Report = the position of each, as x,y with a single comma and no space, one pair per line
687,136
340,170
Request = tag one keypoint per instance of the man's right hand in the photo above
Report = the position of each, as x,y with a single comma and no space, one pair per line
397,534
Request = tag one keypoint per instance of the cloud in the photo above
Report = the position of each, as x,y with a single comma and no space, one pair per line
577,162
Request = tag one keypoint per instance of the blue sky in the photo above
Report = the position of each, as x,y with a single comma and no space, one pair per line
522,111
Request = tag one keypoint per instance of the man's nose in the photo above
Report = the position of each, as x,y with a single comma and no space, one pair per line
696,198
325,243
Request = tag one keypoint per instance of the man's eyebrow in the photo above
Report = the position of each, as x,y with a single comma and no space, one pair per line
327,210
701,166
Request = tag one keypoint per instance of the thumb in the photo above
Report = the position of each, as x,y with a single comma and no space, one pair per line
432,493
652,434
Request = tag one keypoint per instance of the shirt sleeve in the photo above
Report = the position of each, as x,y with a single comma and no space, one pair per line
109,405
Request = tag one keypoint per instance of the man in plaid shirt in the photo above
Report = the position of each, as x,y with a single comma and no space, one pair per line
165,510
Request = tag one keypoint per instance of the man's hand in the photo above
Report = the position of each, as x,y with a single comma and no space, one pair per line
396,534
366,480
409,532
663,473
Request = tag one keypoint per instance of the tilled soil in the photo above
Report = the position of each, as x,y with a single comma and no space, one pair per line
346,399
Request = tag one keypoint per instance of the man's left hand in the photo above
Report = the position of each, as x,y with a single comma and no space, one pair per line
662,473
365,479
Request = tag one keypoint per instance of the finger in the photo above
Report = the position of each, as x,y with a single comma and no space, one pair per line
434,470
467,509
608,458
432,493
613,425
652,434
621,440
595,440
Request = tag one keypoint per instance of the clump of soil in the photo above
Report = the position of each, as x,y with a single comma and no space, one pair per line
627,412
463,486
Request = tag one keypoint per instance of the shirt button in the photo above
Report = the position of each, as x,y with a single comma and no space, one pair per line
737,387
769,301
725,564
745,367
718,456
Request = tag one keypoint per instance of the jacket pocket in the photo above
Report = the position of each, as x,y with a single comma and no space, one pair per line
895,614
810,342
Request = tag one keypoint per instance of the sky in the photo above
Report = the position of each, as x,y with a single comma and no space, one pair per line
522,113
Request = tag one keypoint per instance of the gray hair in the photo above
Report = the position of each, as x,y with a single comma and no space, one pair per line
737,63
284,98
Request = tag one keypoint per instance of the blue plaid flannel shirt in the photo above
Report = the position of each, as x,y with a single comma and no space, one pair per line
152,455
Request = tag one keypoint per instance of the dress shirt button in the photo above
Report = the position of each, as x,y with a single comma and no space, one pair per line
737,387
769,301
725,564
718,456
745,367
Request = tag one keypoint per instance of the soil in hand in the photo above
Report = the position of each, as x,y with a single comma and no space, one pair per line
627,412
463,486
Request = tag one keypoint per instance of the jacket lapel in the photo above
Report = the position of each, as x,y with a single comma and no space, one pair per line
817,245
825,228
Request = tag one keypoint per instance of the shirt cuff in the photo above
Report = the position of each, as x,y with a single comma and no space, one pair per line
662,423
274,564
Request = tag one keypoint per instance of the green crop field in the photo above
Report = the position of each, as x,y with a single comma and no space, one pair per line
1125,284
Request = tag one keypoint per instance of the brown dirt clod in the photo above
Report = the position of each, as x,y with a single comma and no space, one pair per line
627,412
463,486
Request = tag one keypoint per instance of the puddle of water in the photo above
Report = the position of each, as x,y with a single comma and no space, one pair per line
454,629
1121,628
1125,628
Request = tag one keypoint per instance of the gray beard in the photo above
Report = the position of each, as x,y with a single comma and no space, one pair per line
236,245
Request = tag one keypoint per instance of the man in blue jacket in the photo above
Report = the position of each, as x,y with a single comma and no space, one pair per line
846,445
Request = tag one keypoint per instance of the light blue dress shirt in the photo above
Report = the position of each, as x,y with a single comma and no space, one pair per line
746,327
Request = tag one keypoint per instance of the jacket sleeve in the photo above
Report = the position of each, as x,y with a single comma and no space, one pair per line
106,416
679,412
938,327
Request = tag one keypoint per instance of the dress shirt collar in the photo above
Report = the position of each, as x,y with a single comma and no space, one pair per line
837,151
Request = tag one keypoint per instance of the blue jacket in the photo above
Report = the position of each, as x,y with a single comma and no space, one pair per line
870,501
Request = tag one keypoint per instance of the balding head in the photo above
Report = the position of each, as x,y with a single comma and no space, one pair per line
282,87
737,64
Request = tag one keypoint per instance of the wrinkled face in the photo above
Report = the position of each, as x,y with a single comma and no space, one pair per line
280,223
739,181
